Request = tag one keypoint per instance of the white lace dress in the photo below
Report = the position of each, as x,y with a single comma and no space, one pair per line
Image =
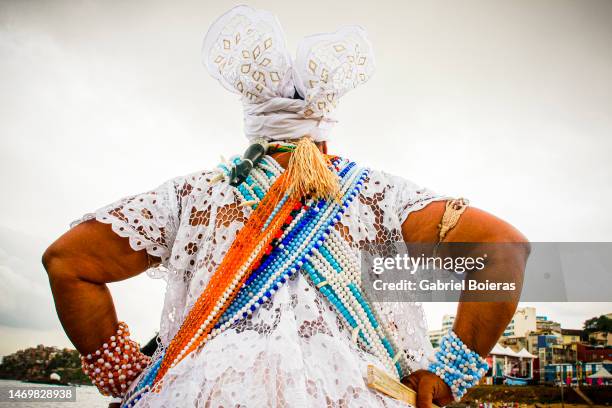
294,351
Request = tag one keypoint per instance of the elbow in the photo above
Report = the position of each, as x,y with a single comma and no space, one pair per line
518,245
67,261
74,257
54,261
47,258
526,246
522,247
513,250
507,247
50,258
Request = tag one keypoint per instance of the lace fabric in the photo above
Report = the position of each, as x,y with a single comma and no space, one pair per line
245,51
294,351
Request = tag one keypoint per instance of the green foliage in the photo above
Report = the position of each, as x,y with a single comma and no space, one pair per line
598,324
37,364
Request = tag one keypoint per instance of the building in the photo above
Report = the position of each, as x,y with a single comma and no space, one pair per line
545,325
523,322
436,335
545,346
601,338
560,372
515,343
571,336
587,353
576,372
550,349
509,366
536,349
447,322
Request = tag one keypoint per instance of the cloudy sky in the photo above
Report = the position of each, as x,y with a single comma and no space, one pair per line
507,103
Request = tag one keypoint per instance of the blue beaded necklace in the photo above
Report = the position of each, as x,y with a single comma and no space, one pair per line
310,244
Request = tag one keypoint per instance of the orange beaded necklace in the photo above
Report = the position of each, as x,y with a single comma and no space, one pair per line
251,243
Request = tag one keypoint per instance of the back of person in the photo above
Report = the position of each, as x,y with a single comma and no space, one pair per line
264,304
294,347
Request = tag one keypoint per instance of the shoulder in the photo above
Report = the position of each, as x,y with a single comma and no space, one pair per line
398,193
379,181
193,183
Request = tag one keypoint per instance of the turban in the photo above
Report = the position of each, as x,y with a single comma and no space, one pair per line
285,99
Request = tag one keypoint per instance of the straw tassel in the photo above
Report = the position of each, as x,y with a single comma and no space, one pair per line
309,173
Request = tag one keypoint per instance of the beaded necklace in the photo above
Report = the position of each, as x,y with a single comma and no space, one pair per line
283,235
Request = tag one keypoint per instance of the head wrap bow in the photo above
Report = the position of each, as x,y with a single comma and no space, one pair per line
245,50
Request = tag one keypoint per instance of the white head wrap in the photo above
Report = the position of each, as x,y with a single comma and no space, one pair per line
245,50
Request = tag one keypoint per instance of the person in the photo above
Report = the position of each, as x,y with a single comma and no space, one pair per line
261,255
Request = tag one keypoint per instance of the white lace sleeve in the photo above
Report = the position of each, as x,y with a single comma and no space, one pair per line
411,197
149,220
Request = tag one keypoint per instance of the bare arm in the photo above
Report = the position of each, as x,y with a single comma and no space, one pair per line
478,324
79,264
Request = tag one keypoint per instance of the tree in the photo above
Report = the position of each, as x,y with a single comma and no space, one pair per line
598,324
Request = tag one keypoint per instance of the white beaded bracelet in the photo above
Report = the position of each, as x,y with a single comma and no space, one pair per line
459,367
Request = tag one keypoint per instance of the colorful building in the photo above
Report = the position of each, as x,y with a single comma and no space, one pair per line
577,372
523,322
587,353
510,367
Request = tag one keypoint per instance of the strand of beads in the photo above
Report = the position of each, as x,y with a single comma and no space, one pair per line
459,367
245,251
347,260
336,279
254,239
281,147
207,330
114,366
244,305
222,288
288,236
257,183
246,302
348,300
361,315
144,384
305,231
282,263
261,178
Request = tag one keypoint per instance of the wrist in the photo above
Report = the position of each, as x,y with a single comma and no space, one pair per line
116,364
459,367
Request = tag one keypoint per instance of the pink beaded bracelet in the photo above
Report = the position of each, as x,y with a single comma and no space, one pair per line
114,366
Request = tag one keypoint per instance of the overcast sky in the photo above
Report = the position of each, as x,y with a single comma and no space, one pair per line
508,103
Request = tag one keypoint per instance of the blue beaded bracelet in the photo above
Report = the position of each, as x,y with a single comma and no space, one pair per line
458,366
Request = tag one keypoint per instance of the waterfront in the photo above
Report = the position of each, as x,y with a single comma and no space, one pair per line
86,396
535,395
